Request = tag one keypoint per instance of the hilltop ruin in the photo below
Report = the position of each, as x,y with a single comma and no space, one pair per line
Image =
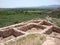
11,34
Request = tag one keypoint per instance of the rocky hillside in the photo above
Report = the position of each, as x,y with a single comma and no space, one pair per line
54,13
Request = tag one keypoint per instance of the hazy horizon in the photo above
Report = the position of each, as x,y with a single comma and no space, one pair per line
27,3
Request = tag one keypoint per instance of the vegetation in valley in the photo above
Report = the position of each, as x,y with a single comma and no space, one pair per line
17,15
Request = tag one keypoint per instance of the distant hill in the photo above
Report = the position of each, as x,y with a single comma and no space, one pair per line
38,7
50,6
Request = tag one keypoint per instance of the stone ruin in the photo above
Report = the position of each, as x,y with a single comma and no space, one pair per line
11,34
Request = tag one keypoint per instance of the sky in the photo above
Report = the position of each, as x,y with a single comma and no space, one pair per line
27,3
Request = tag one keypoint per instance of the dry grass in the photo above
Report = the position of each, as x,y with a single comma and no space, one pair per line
32,39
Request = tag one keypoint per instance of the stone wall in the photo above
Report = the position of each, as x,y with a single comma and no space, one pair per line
19,30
